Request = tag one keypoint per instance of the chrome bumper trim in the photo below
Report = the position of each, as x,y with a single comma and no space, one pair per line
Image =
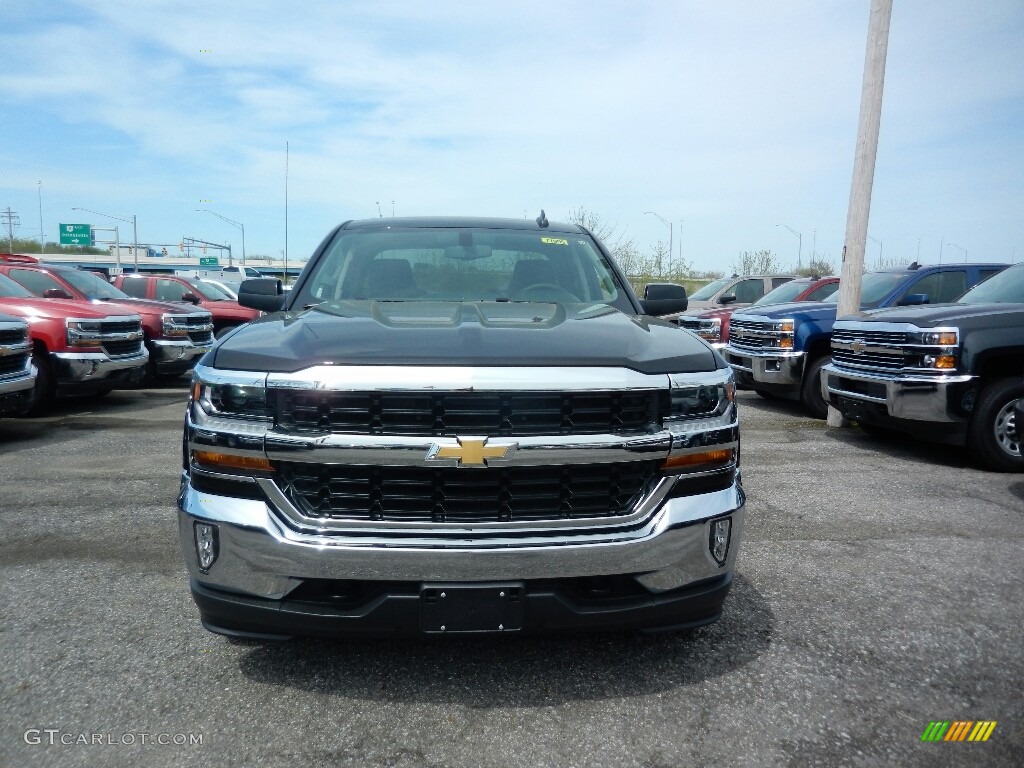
259,555
167,351
911,397
90,366
790,365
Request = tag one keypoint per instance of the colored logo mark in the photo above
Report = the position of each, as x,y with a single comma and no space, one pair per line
958,730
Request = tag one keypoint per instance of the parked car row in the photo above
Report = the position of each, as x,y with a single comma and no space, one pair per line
67,331
922,357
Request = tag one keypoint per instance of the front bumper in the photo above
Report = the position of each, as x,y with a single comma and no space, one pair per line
16,392
780,372
176,356
915,398
78,372
261,561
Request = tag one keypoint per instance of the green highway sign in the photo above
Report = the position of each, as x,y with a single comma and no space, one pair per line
208,261
75,234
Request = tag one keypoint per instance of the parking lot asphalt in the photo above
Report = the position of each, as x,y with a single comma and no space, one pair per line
879,588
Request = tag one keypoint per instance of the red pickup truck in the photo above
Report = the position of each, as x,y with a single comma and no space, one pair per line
176,334
227,313
77,348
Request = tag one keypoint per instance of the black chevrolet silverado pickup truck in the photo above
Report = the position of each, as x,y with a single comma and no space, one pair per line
949,372
459,426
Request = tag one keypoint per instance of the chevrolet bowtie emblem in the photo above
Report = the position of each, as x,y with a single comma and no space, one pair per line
471,451
858,346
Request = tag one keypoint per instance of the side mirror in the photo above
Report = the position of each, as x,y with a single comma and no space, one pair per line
263,293
191,298
912,299
727,298
664,299
56,293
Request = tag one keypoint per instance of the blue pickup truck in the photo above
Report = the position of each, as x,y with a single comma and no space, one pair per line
779,351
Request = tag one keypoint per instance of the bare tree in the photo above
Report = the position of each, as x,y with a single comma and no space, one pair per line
756,263
819,266
623,249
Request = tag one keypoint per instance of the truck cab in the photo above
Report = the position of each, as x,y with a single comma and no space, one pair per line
780,351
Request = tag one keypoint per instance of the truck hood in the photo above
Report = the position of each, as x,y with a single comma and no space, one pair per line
699,305
149,306
799,310
59,309
932,315
464,334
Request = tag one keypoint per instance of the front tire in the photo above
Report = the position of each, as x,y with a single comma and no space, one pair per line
44,392
810,390
993,437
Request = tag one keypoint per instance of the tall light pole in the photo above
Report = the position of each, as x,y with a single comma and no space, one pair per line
800,245
238,224
876,240
135,233
40,218
962,250
669,225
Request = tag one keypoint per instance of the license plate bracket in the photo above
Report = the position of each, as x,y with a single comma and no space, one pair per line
472,608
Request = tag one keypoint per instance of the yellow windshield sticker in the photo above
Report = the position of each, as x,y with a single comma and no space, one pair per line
554,240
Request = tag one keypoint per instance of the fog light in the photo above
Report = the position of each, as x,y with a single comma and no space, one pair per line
719,543
206,544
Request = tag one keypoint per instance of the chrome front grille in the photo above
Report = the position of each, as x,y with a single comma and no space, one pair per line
476,413
869,337
13,364
200,338
12,336
108,327
888,348
506,494
123,348
752,334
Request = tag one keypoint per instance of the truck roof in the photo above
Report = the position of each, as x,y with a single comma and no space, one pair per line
460,222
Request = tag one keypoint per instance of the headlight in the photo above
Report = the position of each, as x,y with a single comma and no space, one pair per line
84,333
939,337
700,396
231,393
710,329
174,326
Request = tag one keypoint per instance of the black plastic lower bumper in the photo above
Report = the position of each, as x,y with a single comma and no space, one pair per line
540,607
876,414
15,403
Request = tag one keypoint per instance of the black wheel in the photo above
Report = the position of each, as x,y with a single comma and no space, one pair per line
767,395
44,392
810,390
993,435
224,331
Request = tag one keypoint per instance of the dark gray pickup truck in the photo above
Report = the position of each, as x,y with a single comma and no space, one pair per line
459,426
949,372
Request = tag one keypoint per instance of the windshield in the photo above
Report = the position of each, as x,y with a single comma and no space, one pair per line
710,289
785,292
11,290
874,287
1006,287
462,264
92,286
207,291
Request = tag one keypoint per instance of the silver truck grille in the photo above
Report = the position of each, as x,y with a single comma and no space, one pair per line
507,494
871,350
752,334
476,413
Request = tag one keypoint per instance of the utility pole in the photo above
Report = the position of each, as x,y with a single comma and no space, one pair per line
285,275
11,220
863,167
41,248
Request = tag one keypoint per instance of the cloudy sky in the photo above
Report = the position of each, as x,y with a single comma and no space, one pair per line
725,118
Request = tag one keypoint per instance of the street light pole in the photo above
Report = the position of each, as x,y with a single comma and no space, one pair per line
876,240
800,245
962,250
669,225
135,234
41,218
238,224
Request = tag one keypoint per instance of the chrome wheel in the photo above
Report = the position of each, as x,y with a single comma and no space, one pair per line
1006,430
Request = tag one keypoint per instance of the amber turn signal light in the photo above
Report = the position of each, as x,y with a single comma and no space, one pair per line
723,456
230,461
